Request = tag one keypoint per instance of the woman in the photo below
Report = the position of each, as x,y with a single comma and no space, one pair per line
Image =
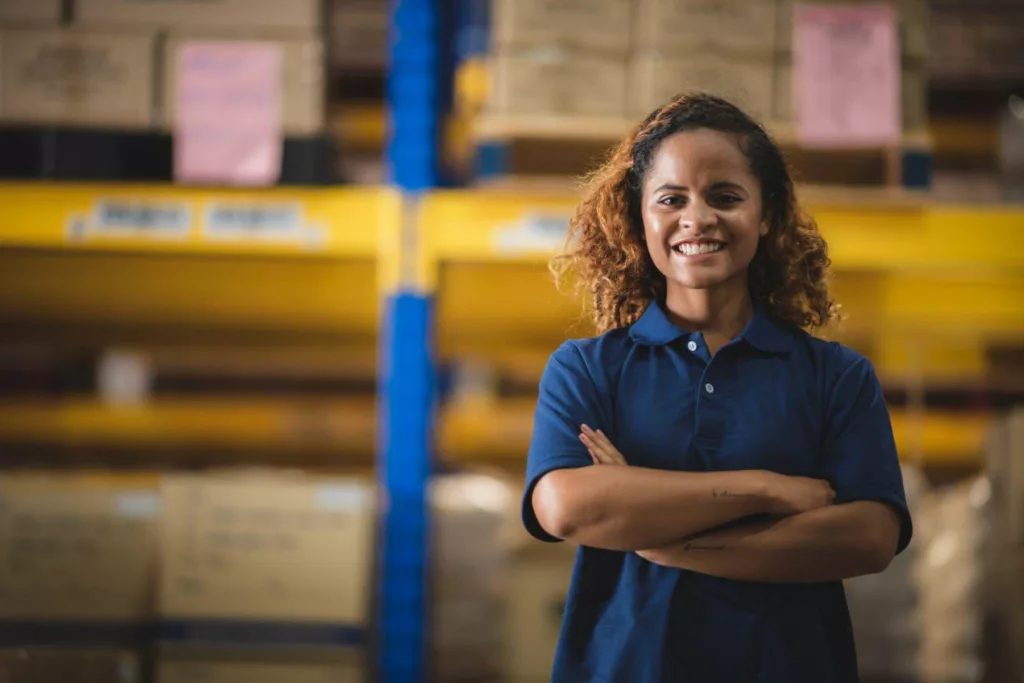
721,469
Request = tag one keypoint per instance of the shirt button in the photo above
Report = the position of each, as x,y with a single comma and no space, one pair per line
692,345
710,388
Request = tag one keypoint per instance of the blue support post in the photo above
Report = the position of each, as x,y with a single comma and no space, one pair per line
419,93
407,386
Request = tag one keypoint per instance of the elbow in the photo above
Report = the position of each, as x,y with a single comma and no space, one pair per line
556,506
879,549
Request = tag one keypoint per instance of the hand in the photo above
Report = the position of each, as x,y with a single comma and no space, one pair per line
793,495
602,452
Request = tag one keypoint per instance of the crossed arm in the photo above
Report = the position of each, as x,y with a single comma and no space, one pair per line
678,519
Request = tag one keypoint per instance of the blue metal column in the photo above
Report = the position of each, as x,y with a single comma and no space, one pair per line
419,92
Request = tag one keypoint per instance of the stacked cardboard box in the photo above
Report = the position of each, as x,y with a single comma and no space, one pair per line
470,551
359,34
538,589
720,46
913,38
293,27
1004,554
951,532
116,65
28,12
265,575
560,57
81,556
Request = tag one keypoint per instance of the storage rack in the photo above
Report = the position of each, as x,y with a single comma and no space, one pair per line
914,267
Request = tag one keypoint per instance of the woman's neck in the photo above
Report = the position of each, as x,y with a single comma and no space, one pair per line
719,313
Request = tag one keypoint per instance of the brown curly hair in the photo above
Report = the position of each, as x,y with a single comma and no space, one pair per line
608,257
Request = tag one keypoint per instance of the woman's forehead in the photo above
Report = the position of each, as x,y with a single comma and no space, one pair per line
700,155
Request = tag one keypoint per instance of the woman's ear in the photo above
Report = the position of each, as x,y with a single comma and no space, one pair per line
765,226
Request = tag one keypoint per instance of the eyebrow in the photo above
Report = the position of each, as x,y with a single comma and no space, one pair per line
717,186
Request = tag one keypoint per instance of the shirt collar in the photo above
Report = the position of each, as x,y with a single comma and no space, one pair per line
762,332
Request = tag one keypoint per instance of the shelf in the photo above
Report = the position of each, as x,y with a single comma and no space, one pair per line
236,424
336,222
899,234
499,433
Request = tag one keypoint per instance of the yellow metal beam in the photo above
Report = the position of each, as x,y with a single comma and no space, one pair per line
497,226
500,431
311,425
282,221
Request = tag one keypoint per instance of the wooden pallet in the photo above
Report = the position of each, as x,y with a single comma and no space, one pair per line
554,146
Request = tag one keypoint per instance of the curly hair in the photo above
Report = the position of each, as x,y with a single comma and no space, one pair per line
608,257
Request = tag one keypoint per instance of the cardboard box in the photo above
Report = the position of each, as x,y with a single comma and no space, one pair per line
913,95
290,15
31,11
687,27
272,547
558,81
656,77
79,547
538,589
913,23
56,665
302,77
360,31
221,664
597,25
76,78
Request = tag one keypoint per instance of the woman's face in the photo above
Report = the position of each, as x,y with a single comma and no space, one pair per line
702,210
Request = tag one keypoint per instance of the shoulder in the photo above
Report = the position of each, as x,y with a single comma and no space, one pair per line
842,373
598,358
831,358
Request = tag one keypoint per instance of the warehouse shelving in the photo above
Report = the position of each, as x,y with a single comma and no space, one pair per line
459,271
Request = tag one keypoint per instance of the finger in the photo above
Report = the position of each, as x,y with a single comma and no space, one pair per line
606,445
593,457
592,442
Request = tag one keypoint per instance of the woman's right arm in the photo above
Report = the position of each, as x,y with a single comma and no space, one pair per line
635,508
618,507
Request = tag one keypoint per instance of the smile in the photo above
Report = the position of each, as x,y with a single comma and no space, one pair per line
696,248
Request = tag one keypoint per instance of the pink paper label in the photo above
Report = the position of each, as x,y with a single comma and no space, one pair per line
846,75
228,113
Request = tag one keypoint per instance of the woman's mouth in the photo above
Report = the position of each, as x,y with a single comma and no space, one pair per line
698,248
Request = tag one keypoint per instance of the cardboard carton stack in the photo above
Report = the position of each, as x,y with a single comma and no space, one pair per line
470,552
556,58
1004,552
115,65
952,530
292,27
720,46
265,576
76,584
884,607
912,16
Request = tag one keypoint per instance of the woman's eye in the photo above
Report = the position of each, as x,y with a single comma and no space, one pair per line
672,200
728,199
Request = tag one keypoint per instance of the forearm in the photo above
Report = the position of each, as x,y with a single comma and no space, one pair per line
628,508
827,544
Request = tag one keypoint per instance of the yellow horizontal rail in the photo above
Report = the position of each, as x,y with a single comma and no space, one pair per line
495,225
281,221
341,425
467,431
501,431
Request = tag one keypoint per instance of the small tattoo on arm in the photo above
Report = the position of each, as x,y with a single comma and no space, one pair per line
692,547
722,493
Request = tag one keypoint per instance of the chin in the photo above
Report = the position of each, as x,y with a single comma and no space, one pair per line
699,280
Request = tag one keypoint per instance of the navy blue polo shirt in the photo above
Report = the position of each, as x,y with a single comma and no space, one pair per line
775,398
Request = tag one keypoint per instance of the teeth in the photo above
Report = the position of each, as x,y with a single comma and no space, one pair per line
691,249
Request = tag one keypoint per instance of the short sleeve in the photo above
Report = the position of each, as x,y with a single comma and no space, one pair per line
567,399
860,451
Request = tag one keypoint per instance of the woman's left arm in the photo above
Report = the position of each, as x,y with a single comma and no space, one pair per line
828,544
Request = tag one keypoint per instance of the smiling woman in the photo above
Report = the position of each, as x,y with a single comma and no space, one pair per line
722,470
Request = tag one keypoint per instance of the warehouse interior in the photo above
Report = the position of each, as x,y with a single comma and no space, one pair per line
274,305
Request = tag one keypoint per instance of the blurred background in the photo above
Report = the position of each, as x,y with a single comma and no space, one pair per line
274,306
